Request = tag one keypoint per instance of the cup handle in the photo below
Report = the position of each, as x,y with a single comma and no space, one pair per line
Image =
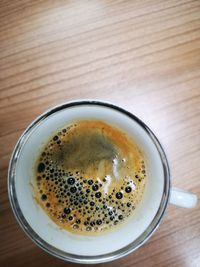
182,198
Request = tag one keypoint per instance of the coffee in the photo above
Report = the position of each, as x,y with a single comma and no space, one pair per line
90,177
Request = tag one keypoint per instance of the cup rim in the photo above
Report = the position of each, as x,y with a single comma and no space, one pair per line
80,258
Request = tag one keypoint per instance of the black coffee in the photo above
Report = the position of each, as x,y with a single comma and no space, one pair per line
90,177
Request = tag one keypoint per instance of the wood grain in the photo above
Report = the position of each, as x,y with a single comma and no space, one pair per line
141,55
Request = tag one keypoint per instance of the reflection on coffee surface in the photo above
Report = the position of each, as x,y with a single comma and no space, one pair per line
90,177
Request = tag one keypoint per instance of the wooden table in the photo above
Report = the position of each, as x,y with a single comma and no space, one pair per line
141,55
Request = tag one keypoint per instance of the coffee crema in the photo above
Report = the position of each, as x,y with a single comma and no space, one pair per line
90,177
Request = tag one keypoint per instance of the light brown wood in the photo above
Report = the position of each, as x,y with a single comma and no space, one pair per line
141,55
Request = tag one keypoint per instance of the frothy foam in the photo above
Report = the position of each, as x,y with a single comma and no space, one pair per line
90,177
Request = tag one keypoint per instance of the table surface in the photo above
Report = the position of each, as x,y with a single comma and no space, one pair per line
141,55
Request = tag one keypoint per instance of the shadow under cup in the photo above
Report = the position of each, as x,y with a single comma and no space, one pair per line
72,247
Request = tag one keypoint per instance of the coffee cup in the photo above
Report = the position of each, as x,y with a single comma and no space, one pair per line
110,245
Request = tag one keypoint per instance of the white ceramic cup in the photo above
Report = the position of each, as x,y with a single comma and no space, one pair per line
109,246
